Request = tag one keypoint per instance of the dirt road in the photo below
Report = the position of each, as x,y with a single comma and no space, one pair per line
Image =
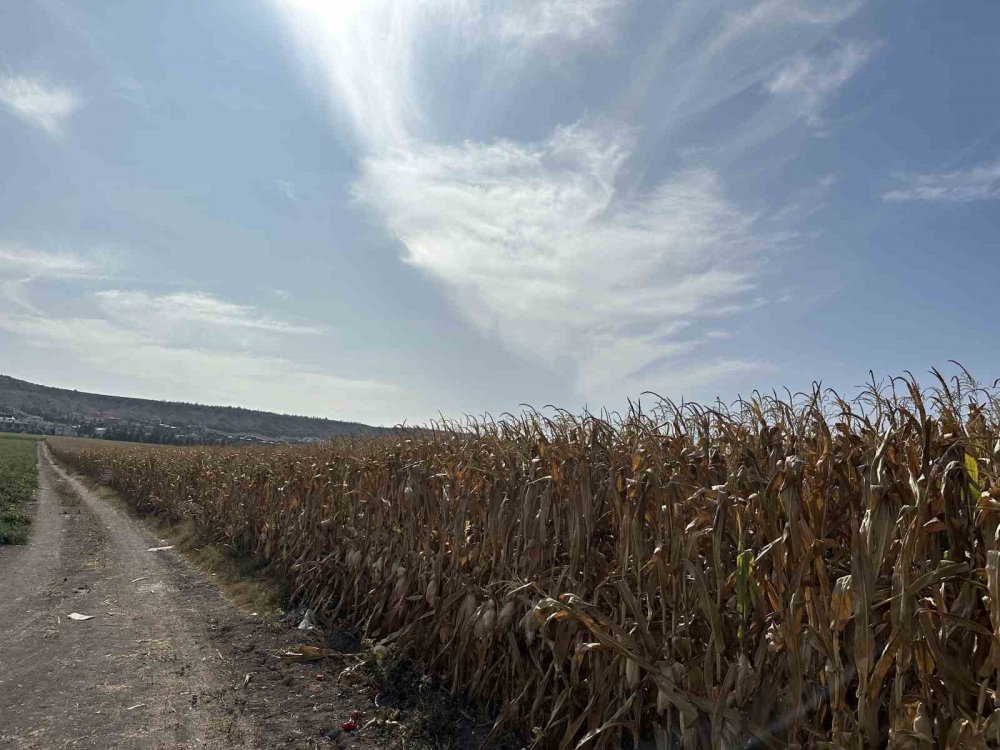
165,661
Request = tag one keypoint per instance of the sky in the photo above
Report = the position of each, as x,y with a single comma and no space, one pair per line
391,211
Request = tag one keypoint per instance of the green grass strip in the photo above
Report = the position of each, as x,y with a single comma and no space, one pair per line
18,479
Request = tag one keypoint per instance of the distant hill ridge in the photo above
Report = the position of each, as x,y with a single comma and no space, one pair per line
61,405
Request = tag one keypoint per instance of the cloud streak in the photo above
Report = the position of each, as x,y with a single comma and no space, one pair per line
46,107
532,22
770,16
980,183
366,56
21,261
813,80
184,345
165,371
169,312
559,245
539,244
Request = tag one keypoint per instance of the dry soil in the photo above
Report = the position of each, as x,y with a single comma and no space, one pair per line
166,660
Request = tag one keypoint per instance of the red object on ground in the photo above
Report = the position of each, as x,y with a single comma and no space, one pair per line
349,726
320,677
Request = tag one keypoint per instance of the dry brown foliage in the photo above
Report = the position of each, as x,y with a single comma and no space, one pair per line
798,572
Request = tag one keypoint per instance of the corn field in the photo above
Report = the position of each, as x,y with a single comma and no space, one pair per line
807,571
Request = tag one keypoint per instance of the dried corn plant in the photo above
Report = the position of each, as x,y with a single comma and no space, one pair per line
799,572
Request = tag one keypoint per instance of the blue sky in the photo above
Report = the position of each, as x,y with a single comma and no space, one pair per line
387,211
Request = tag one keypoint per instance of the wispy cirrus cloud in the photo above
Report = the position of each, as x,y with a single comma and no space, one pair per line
533,21
980,183
23,265
28,262
159,369
539,244
812,80
188,346
42,105
775,16
179,310
558,245
367,56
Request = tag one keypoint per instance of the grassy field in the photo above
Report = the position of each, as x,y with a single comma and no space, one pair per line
809,572
18,479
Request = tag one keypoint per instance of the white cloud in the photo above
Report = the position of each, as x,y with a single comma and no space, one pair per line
698,85
541,244
43,106
365,55
189,346
286,189
812,80
981,183
181,311
26,262
162,371
775,16
549,244
21,266
532,22
362,52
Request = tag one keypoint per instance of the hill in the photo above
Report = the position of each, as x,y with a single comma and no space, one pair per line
62,406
